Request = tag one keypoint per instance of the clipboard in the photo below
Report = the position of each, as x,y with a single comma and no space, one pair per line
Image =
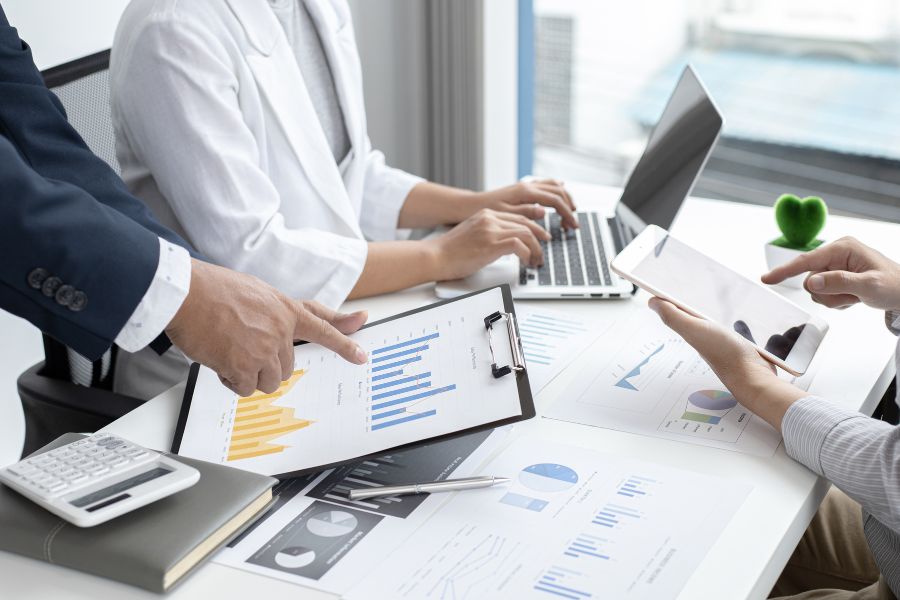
497,359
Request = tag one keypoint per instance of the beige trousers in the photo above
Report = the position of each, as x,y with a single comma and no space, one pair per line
833,560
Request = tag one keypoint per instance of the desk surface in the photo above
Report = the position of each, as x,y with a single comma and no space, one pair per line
747,558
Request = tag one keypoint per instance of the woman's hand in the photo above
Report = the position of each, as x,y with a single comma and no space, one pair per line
747,375
483,238
528,198
843,273
430,204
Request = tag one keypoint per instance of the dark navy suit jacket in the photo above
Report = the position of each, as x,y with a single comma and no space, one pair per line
77,250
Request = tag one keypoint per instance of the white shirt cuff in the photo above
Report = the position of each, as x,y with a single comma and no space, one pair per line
163,298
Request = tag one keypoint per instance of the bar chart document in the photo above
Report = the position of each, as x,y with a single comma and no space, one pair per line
608,528
428,374
552,339
652,382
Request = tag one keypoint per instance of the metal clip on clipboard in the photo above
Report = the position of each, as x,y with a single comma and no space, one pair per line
515,344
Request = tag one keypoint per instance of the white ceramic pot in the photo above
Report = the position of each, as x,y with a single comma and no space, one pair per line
779,255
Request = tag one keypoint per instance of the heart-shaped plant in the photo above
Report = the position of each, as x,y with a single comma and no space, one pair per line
800,221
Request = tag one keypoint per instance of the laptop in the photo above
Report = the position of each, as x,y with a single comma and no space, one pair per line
576,263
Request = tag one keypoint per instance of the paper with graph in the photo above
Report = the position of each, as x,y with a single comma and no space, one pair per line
652,382
572,524
428,374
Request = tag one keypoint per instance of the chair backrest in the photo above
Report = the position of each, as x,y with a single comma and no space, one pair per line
83,87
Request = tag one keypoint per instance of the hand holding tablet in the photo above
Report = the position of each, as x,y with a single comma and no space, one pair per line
782,332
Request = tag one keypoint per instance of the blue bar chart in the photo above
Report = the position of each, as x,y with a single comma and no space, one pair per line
543,335
634,486
562,583
587,546
551,339
399,383
612,516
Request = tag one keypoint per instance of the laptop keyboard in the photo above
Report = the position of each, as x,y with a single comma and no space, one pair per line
574,257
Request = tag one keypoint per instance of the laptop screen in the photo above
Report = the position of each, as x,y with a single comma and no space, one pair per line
675,154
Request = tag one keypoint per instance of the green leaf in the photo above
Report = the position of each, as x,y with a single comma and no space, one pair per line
800,220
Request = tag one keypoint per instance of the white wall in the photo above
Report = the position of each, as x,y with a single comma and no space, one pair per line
392,50
62,30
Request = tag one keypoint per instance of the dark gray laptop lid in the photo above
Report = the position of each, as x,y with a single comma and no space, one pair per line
676,151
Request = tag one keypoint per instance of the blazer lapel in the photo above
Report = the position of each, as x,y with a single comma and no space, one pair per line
278,77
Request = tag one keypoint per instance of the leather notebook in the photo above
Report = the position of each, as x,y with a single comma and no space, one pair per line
155,546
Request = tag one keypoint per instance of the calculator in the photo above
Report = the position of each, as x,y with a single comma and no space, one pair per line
97,478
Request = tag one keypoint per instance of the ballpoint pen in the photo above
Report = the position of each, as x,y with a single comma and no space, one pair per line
449,485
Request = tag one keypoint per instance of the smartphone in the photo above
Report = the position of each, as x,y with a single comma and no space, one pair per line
782,332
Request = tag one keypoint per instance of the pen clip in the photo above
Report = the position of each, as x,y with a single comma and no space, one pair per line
515,344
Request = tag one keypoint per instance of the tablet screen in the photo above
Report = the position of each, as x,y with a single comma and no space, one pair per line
429,375
722,295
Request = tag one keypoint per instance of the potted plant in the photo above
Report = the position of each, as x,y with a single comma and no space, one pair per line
800,222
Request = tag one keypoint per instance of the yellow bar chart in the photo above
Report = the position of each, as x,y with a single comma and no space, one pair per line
259,421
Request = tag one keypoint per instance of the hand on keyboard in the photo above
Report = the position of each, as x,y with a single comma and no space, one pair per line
483,238
528,199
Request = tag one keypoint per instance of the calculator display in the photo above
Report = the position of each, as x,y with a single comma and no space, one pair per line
120,487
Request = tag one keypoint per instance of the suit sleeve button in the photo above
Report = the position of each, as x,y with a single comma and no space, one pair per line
50,286
79,301
64,295
36,278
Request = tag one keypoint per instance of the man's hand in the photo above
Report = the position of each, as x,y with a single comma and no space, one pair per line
244,329
843,273
735,361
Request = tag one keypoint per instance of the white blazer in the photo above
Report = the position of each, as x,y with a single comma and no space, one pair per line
216,131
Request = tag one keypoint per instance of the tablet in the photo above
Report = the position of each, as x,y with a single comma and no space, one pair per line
782,332
437,372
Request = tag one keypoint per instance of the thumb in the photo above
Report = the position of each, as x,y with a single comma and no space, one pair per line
693,330
350,323
835,282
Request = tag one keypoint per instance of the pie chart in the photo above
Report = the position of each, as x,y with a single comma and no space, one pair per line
332,523
712,400
295,557
548,477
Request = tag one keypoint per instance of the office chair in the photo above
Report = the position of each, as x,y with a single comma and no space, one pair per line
67,392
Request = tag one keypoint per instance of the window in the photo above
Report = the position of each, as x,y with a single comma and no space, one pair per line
810,90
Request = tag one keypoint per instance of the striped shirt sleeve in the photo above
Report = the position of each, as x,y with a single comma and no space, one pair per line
858,454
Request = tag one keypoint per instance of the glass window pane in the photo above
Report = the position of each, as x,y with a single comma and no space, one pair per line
810,90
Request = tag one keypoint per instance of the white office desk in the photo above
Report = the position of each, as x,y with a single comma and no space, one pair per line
854,368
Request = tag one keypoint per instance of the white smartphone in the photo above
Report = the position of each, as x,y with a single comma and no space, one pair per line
784,333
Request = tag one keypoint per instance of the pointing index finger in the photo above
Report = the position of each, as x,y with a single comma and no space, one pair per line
820,259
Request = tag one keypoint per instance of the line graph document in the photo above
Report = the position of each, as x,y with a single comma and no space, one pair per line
573,524
653,383
428,374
